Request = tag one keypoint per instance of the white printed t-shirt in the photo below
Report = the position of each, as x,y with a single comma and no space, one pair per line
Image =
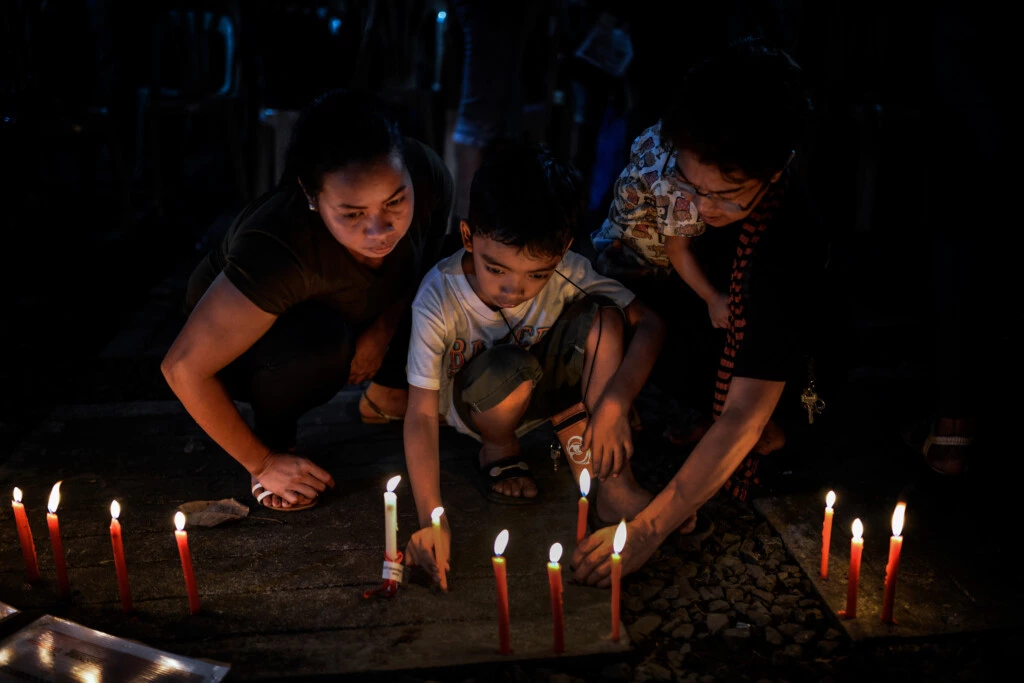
450,324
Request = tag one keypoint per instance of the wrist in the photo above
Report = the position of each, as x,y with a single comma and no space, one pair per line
615,399
645,526
425,521
261,464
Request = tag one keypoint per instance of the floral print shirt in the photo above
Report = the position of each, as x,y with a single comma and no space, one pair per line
647,205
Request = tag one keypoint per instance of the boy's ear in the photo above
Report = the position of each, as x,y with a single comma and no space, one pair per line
467,236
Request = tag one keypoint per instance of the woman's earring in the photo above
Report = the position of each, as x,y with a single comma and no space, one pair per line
311,207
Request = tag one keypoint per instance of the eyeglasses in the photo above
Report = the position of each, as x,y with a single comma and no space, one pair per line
691,193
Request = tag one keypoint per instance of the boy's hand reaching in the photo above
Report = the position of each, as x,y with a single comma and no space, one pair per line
421,552
718,310
609,438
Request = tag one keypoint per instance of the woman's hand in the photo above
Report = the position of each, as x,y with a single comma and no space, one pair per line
292,477
422,552
370,349
718,311
591,561
609,437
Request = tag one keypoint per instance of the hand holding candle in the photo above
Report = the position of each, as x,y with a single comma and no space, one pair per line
893,565
186,562
617,545
555,583
440,552
55,541
391,519
120,566
504,638
28,546
584,505
826,532
856,548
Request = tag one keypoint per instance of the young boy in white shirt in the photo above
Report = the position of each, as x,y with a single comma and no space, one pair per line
514,330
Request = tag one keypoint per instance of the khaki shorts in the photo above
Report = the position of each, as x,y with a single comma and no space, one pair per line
554,364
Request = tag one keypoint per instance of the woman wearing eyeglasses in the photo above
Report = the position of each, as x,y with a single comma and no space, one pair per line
711,226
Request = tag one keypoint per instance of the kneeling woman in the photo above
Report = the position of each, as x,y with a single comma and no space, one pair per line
310,290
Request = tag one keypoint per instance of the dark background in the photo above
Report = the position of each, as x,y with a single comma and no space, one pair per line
124,136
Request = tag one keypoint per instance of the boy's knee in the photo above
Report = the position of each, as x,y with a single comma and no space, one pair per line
496,375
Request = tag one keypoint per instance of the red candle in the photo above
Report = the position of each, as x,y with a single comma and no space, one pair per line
28,546
504,636
826,532
617,545
893,565
555,582
186,562
120,565
581,518
58,547
856,548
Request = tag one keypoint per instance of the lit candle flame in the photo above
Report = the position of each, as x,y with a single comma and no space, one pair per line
897,519
54,498
858,529
584,483
17,495
179,520
435,515
115,509
830,499
620,538
393,483
555,554
500,541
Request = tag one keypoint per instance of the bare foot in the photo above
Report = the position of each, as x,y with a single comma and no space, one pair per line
621,497
772,439
276,502
391,402
689,525
951,438
517,486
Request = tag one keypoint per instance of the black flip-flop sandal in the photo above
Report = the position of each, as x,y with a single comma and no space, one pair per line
380,418
501,470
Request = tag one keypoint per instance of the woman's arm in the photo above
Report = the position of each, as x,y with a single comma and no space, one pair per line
223,325
748,407
686,264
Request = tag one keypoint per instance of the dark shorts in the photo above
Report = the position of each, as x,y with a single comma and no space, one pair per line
301,362
554,364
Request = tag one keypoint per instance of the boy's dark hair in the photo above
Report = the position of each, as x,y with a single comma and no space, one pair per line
743,110
338,128
525,197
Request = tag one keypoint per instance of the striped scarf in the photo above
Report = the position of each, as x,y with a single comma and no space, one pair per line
753,228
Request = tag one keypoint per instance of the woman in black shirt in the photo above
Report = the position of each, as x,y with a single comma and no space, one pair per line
310,290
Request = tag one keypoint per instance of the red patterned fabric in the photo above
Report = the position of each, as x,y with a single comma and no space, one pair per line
754,226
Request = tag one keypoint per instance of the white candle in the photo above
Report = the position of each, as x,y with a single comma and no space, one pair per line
391,519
